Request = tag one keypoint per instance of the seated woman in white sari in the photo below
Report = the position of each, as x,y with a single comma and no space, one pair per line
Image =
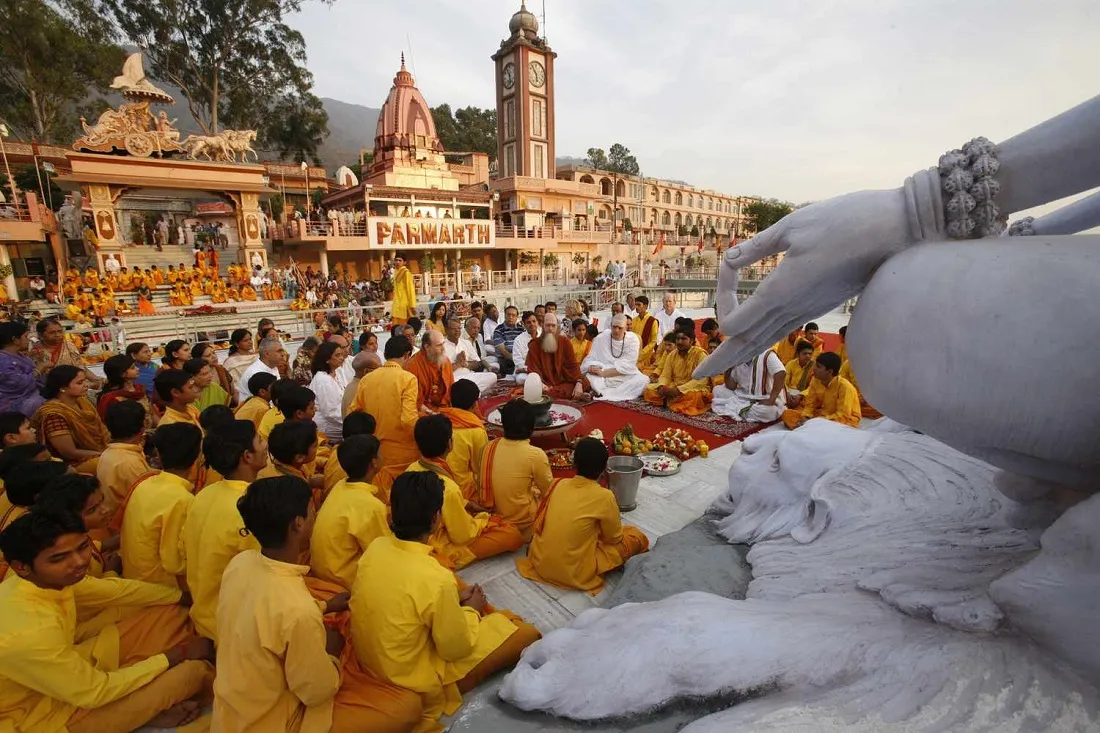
753,391
612,364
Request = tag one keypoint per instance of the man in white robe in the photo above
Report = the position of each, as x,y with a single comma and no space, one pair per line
754,391
462,356
612,364
668,313
522,344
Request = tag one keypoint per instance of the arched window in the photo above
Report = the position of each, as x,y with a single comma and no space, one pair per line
679,220
665,197
620,190
688,221
605,186
587,179
679,199
710,205
666,219
655,194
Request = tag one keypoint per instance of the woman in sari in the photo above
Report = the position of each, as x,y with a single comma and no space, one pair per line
205,379
122,373
241,354
67,423
176,352
209,354
437,321
54,350
19,388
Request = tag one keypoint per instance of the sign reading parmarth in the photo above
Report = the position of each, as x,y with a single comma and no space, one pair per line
385,232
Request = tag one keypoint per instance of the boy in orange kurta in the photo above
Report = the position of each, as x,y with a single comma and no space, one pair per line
578,535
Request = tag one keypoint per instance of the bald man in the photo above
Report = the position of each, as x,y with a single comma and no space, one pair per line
363,364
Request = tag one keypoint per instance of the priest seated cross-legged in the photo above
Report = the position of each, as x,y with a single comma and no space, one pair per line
281,667
676,389
433,372
830,396
410,622
578,534
60,671
551,357
467,532
612,364
753,391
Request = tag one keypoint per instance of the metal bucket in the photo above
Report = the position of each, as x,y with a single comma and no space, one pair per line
624,473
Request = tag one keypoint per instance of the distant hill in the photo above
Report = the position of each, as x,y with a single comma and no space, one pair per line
351,127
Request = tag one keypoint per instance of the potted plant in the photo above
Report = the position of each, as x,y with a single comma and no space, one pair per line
427,262
578,258
597,260
527,258
550,260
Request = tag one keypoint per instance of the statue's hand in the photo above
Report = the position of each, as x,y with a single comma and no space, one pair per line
832,247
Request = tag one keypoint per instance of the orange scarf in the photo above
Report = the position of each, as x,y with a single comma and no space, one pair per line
439,467
540,514
485,473
461,418
116,521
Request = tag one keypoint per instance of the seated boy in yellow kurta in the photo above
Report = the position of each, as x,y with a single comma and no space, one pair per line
409,621
248,292
578,535
831,396
351,517
279,668
153,517
56,673
356,422
676,389
255,407
212,532
461,537
470,435
800,373
123,462
514,474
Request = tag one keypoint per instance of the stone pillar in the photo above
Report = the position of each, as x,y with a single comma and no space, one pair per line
323,257
106,226
458,271
542,268
248,228
9,279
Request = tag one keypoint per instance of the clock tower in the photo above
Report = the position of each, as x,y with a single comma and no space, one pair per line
525,100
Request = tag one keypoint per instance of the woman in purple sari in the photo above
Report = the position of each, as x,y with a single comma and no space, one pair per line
19,388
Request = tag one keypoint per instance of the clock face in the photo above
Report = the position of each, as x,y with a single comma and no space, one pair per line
509,76
537,72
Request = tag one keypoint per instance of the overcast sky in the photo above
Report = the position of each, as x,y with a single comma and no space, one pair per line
794,99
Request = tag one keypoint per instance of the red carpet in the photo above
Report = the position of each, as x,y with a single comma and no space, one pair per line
609,418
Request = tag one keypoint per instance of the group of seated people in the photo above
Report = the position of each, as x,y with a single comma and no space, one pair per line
325,578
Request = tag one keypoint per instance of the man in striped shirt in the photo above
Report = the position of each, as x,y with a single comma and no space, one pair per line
504,337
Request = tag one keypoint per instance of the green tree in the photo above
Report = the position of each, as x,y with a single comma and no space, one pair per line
617,160
26,179
759,215
55,59
236,62
467,130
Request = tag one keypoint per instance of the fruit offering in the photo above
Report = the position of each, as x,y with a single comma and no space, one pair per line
627,443
680,444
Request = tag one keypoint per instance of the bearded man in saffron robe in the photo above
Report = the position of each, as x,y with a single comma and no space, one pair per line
433,372
551,357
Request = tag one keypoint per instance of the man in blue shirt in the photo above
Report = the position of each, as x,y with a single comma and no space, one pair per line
143,360
505,336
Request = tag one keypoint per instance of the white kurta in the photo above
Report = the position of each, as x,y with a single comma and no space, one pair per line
754,383
667,321
483,380
242,384
520,348
329,390
622,356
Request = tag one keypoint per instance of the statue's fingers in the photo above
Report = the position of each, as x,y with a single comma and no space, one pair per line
728,279
769,242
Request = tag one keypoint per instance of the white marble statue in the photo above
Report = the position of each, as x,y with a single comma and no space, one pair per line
882,600
943,580
263,224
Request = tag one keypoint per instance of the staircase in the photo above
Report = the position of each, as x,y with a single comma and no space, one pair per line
145,256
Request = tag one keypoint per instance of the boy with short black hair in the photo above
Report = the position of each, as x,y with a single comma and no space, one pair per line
178,391
293,446
256,406
123,461
149,668
355,423
15,429
152,519
351,517
278,665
